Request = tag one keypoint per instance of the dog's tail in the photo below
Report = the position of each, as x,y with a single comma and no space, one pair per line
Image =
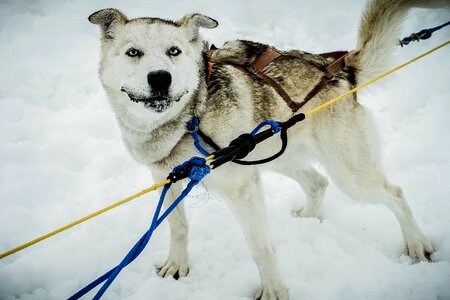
378,34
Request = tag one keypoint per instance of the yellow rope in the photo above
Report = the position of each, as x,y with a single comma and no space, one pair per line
70,225
334,100
158,185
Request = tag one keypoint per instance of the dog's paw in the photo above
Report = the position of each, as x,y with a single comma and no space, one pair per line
272,292
173,268
419,249
303,213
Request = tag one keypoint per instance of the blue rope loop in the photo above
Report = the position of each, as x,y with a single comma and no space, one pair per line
424,34
198,169
273,125
193,124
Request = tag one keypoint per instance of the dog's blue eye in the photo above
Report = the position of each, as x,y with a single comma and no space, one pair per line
133,52
174,51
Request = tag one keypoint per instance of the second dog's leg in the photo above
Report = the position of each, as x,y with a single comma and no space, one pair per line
244,195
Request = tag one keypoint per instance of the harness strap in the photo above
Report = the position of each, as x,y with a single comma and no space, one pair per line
332,70
265,58
334,54
338,64
257,66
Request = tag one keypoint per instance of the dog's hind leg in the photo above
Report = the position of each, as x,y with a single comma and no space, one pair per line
243,192
313,184
176,264
417,245
348,154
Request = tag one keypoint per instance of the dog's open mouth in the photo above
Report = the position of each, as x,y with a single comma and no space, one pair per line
158,103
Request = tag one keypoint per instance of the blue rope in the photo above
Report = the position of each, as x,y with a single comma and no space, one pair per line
424,34
274,125
199,169
193,128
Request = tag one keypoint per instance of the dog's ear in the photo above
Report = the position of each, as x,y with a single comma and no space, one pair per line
195,21
108,19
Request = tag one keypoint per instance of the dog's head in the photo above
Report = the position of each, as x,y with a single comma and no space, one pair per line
150,64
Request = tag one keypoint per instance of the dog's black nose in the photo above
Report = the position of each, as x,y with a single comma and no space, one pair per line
159,81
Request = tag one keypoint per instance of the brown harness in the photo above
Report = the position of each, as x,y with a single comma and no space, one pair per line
257,66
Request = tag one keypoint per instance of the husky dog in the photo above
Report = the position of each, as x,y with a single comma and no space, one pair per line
154,73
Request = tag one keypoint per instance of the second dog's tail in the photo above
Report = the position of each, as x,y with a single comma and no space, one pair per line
378,34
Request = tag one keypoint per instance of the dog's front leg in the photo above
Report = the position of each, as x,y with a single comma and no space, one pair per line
243,192
176,264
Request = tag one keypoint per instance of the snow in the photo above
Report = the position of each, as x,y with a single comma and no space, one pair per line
62,158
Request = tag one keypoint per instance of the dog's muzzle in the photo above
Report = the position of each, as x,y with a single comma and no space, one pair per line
157,102
159,99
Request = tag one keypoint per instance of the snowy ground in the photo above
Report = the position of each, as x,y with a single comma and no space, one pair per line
62,158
